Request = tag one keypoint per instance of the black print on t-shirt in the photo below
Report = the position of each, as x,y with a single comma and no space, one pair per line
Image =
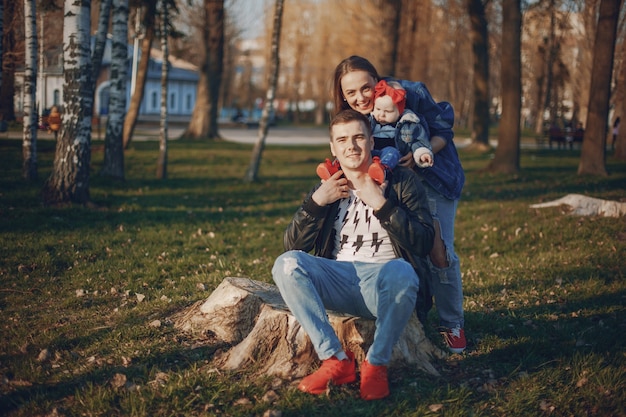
360,211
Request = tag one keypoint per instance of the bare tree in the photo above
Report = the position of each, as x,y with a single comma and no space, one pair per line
255,160
29,141
148,13
69,180
507,155
1,36
100,38
620,106
592,158
113,165
479,36
10,50
394,8
203,123
162,160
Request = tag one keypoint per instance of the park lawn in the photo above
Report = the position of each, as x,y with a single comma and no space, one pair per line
86,295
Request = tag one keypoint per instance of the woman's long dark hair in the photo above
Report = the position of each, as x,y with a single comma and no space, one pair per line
353,63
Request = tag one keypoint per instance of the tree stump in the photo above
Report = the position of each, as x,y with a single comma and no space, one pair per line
264,336
582,205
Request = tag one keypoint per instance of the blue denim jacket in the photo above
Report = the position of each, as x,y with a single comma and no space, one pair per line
446,175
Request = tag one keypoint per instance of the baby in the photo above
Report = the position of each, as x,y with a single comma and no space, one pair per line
396,130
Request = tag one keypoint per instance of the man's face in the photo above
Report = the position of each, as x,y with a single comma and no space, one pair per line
352,145
385,111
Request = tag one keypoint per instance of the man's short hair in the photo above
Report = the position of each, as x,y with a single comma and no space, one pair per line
350,115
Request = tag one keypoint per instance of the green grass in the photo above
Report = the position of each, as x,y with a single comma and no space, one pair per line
545,292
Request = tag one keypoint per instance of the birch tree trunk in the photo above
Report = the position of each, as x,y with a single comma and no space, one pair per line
255,161
149,12
620,106
69,180
113,142
101,38
507,154
29,141
593,149
162,161
203,123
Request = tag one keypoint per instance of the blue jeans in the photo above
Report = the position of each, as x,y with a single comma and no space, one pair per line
388,155
445,283
386,292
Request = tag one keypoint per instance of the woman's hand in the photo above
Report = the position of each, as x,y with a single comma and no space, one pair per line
331,190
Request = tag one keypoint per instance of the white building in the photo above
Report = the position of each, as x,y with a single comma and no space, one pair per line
182,82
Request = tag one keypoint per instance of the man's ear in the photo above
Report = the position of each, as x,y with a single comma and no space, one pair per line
332,149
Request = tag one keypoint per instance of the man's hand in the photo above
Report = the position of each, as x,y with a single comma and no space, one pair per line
331,190
372,194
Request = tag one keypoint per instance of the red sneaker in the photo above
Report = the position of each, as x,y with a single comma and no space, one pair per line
374,384
377,171
327,169
332,371
455,339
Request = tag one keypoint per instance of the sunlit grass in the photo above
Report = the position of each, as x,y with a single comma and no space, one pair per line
82,290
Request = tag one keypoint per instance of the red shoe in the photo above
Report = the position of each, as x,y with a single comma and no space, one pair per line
374,384
327,169
332,371
377,171
455,339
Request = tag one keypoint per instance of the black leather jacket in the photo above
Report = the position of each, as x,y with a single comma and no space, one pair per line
405,216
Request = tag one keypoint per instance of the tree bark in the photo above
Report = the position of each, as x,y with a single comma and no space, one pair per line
113,165
29,140
101,38
620,106
479,36
162,160
251,317
593,149
203,123
142,72
9,57
394,28
69,180
1,47
255,160
507,154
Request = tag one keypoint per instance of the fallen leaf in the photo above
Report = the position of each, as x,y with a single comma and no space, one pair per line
435,407
270,396
242,401
43,356
118,380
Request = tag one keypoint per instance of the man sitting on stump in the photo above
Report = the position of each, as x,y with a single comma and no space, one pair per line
370,242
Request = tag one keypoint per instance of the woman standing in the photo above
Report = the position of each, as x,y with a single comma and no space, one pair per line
353,87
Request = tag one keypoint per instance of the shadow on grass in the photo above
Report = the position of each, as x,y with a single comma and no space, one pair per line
174,356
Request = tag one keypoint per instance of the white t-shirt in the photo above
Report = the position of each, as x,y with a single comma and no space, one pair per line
359,235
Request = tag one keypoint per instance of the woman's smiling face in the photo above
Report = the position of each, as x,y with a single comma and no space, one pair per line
358,90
